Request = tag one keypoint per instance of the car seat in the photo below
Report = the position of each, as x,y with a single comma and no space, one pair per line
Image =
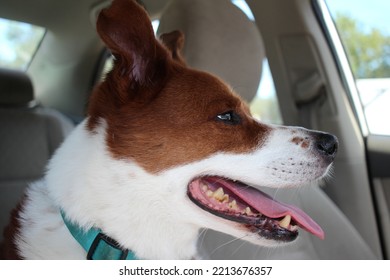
30,134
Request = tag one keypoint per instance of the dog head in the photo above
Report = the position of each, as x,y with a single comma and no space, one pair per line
198,147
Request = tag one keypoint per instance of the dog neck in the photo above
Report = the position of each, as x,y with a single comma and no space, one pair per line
125,202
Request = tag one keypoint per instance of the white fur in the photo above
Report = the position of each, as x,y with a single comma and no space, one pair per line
147,213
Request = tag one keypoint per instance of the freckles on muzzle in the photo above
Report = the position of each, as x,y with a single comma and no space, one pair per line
322,144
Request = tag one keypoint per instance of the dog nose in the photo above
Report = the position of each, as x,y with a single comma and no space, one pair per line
326,145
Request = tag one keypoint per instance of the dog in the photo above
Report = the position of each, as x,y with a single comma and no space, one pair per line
164,151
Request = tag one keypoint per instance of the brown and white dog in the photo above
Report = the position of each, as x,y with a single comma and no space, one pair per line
165,151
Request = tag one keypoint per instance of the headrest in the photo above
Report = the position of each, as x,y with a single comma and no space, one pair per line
220,39
15,88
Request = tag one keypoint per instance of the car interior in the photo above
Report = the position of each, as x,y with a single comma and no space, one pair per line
294,41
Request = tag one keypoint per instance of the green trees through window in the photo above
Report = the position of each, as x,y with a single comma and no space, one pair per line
364,29
368,48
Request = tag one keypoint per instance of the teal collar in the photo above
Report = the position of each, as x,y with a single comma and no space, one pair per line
97,245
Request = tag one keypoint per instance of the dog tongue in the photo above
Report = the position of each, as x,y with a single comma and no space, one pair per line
268,206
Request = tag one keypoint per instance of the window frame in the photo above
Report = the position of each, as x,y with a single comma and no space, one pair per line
337,49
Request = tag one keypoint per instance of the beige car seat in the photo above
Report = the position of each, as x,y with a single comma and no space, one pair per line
29,136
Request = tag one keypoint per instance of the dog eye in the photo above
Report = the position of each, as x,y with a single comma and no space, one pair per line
229,117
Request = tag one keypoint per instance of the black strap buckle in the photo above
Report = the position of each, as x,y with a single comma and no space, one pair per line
110,242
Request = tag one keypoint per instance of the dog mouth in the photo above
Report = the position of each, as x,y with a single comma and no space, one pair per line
250,207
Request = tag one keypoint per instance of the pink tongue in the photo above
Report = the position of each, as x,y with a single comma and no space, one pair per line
268,206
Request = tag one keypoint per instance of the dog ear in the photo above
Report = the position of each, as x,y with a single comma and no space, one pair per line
174,41
126,30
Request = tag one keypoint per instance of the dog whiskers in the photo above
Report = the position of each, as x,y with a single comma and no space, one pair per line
237,249
202,233
227,243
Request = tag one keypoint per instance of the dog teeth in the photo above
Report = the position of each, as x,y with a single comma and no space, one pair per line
248,211
285,222
233,205
225,198
293,228
219,194
209,193
204,187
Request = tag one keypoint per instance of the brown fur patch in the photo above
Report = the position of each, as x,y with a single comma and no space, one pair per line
179,126
8,250
174,41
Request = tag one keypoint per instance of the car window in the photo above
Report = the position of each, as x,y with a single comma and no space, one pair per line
18,43
265,105
365,34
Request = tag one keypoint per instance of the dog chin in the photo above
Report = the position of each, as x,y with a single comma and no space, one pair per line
324,174
321,181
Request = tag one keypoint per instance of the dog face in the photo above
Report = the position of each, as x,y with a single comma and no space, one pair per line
195,140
